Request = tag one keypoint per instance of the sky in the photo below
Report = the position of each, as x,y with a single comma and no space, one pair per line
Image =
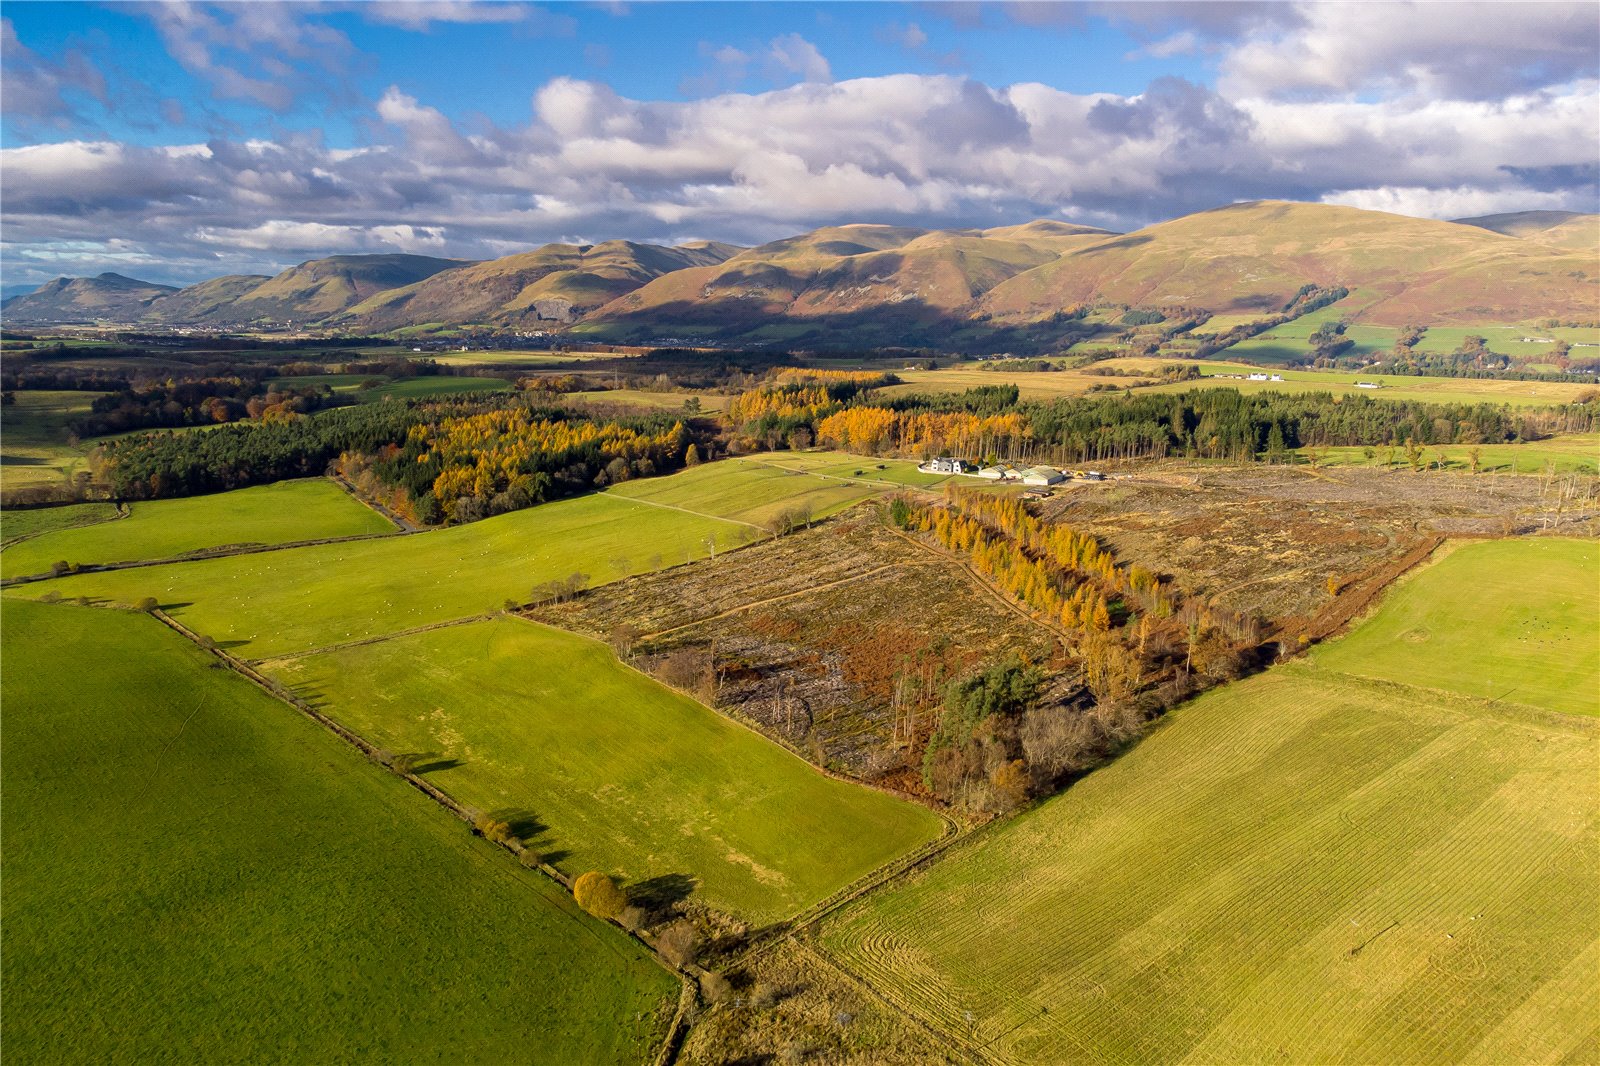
180,141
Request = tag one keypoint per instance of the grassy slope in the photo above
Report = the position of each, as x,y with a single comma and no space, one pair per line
1304,866
1534,616
158,529
33,437
1253,256
196,873
280,602
15,523
627,775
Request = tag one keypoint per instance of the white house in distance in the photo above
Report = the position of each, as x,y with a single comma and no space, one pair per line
944,465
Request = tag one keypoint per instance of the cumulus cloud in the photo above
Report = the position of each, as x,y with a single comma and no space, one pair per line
1472,51
589,164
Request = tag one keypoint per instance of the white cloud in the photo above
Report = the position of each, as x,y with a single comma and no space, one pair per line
928,150
795,54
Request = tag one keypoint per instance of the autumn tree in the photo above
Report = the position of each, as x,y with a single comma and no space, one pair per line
598,894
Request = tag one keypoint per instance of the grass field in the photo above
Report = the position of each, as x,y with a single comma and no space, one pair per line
308,509
27,523
625,774
1031,384
752,491
1426,389
1304,866
301,598
196,873
1572,452
33,437
1534,615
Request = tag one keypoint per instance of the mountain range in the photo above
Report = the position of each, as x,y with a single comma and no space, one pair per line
870,284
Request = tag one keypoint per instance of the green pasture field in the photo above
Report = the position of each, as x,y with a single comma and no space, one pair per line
412,388
1509,340
307,509
1567,453
1394,387
34,449
292,600
1292,340
197,873
748,490
274,603
1305,866
16,523
625,774
896,472
1533,614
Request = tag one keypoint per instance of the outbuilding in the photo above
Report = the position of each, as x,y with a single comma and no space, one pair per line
1042,475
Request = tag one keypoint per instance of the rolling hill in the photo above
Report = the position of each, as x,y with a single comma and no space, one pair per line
554,284
870,281
321,288
80,300
1254,256
209,299
866,285
1559,229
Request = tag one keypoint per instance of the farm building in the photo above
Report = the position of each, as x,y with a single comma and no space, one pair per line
999,472
1368,385
1042,475
944,465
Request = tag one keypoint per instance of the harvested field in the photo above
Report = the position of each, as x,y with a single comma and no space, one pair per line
1303,867
811,633
1267,539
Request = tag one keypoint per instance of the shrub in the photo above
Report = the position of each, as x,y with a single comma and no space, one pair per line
530,858
148,604
598,894
679,943
492,828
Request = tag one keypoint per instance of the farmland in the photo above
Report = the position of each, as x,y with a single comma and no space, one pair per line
1533,636
623,774
1306,865
30,523
1563,454
1049,385
309,509
36,449
194,870
301,598
1426,389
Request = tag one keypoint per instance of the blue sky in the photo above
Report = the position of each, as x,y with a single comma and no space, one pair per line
180,141
645,51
